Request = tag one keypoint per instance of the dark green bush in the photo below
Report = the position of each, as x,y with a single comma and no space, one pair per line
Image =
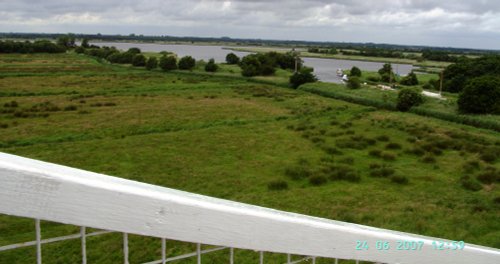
12,104
393,145
139,60
277,185
490,155
471,166
429,159
151,63
187,63
297,172
44,107
232,58
70,108
470,183
168,63
342,172
353,83
410,80
489,175
355,71
388,156
417,151
317,180
383,138
304,75
381,171
375,153
481,96
408,98
332,151
211,66
399,179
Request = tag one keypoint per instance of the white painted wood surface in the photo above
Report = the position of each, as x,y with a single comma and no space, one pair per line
40,190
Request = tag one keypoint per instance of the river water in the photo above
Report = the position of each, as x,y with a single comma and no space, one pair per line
325,69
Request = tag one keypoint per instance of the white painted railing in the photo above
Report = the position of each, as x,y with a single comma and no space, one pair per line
40,190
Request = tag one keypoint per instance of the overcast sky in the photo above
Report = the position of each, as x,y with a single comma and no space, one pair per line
455,23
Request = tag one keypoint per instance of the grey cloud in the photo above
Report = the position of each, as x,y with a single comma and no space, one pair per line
393,21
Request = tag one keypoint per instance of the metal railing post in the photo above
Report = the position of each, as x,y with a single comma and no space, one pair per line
83,235
38,242
163,251
125,248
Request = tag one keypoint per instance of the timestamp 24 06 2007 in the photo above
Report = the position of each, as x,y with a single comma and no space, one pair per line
409,245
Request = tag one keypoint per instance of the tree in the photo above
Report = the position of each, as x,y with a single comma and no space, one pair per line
151,63
232,58
456,76
480,96
250,65
211,66
355,71
134,50
168,63
410,80
79,50
85,43
353,83
139,60
187,63
386,73
304,75
408,98
67,41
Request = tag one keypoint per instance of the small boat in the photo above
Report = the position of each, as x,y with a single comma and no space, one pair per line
340,73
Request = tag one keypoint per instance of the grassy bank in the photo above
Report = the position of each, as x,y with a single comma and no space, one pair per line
235,138
371,96
304,53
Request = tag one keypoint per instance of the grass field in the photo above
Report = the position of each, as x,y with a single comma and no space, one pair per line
230,137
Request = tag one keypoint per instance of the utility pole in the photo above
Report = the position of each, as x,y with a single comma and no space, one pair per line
296,55
441,83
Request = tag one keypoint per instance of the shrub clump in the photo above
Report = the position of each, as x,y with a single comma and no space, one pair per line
342,172
211,66
381,171
12,104
489,175
399,179
232,58
375,153
304,75
355,71
470,183
297,172
139,60
187,63
353,83
480,96
429,159
383,138
408,98
490,155
393,146
70,108
151,63
168,63
277,185
317,180
389,156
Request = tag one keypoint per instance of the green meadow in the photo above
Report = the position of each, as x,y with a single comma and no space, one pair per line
250,140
